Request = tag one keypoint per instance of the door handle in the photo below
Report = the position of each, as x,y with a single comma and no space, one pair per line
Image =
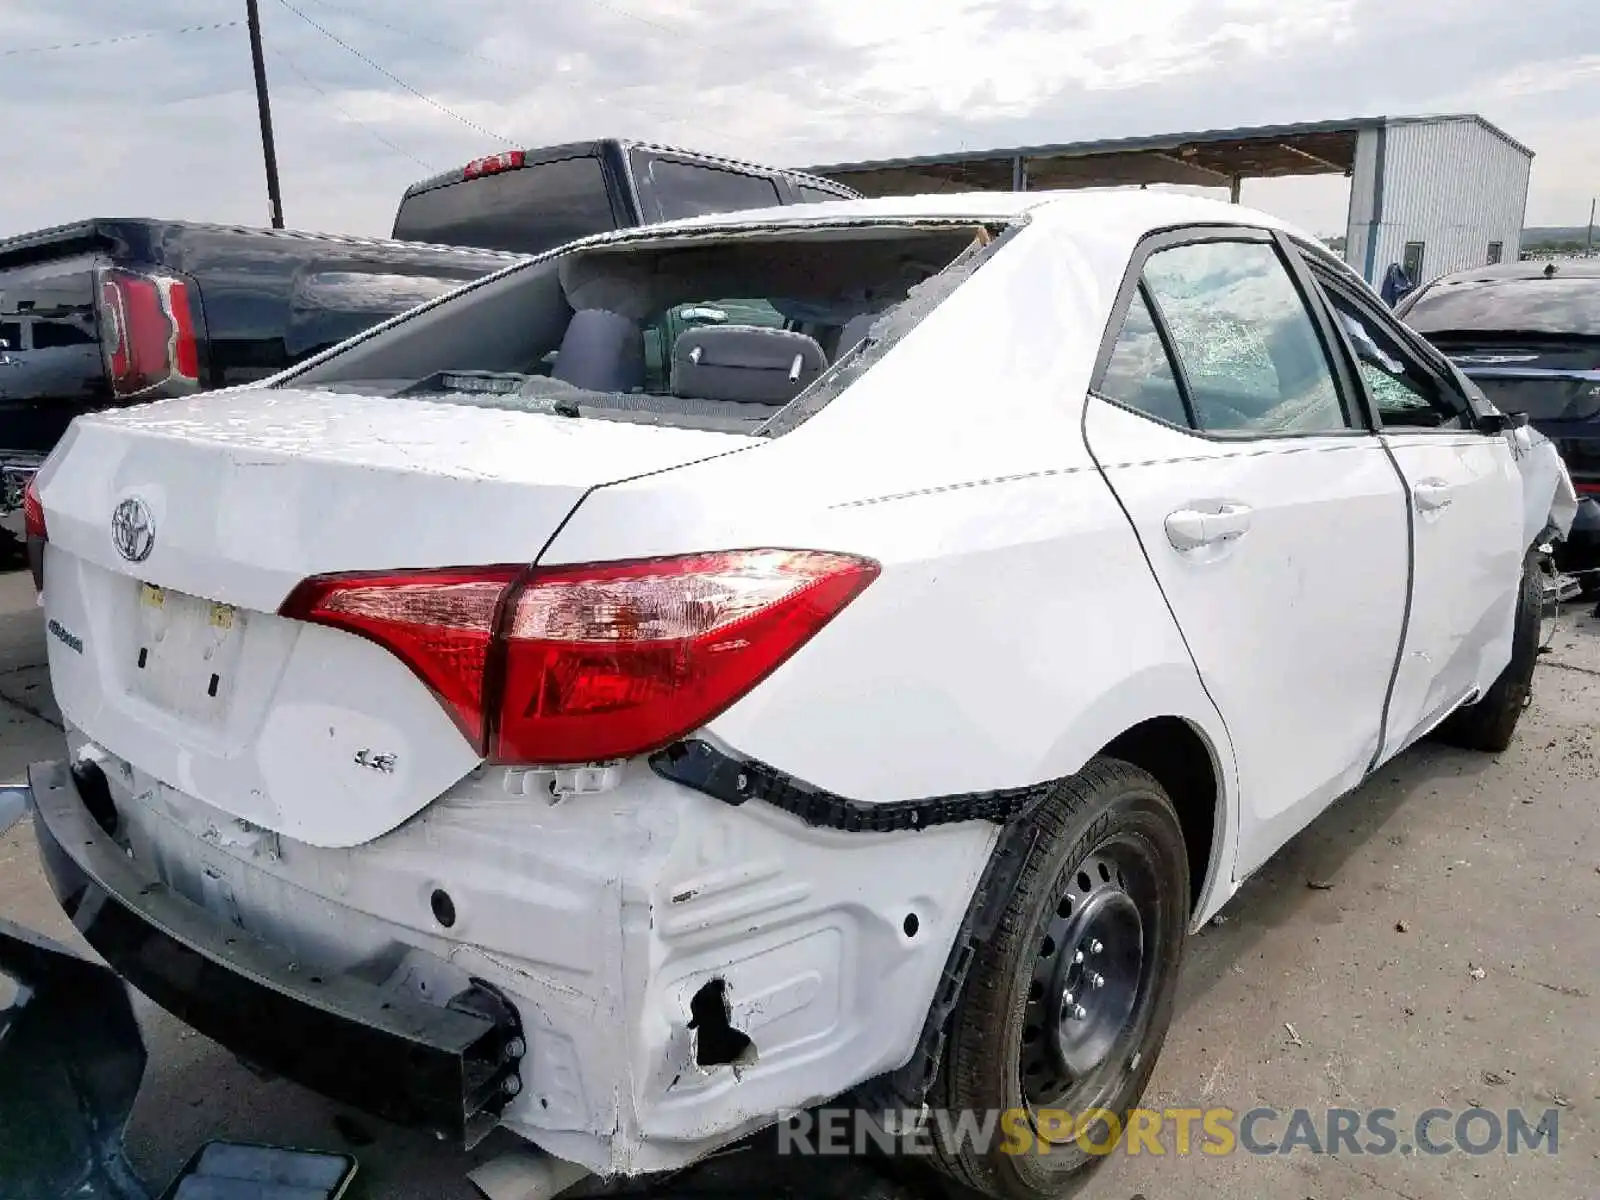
1191,528
1432,495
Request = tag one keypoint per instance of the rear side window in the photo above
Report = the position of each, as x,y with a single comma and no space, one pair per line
815,195
1249,350
525,211
11,335
1403,392
1139,373
669,189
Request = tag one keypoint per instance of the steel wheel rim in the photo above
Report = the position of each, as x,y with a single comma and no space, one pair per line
1093,975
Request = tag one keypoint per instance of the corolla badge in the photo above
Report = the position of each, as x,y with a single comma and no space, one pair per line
133,529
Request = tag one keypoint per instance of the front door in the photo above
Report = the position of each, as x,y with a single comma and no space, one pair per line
1271,515
1465,495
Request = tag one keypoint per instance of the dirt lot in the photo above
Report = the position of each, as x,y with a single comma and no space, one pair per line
1431,941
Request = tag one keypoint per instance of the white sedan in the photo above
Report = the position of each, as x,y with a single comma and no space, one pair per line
722,665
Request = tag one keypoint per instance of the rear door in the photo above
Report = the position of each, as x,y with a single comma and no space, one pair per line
1269,511
1465,497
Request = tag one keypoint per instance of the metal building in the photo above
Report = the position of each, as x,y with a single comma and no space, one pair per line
1435,194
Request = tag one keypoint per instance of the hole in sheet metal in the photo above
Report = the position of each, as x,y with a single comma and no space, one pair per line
717,1042
444,908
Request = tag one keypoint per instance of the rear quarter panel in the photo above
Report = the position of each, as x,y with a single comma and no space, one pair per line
1016,628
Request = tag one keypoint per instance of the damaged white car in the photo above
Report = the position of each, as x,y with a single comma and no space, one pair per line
722,666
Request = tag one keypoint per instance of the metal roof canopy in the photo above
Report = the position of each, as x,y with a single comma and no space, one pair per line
1214,158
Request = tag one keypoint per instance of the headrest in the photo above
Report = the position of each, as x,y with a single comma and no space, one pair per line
747,364
601,352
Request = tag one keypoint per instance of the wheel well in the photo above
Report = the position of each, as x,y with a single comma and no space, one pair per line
1171,750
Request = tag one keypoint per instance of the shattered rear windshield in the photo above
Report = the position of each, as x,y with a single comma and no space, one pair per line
720,331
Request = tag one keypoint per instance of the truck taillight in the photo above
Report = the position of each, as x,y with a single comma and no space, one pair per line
586,664
509,160
37,534
147,334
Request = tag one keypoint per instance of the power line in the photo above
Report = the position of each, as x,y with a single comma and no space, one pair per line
119,40
392,77
345,113
672,117
504,64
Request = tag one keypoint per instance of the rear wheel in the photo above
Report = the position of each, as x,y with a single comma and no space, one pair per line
1490,723
1067,1005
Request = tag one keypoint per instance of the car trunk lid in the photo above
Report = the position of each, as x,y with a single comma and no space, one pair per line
177,530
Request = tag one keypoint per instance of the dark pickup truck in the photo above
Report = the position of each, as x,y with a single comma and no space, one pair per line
120,311
531,201
113,311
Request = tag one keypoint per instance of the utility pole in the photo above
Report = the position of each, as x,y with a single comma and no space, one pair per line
268,150
1588,243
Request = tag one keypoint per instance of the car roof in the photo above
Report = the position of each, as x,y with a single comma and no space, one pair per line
1573,268
537,155
1561,268
1121,214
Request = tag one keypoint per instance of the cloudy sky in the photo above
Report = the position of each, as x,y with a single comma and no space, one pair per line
163,123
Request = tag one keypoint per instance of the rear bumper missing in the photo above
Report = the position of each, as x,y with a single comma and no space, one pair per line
445,1069
611,922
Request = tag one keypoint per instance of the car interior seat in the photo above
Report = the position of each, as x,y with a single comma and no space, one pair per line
601,352
745,364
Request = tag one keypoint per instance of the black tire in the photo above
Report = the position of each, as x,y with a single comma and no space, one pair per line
1000,1057
1490,723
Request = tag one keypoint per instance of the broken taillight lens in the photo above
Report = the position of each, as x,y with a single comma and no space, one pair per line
591,663
147,334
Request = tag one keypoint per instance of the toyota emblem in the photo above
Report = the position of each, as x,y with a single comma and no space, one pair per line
133,529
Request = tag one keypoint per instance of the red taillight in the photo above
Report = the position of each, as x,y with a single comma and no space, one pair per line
610,661
509,160
37,534
148,335
33,513
1587,489
439,623
586,664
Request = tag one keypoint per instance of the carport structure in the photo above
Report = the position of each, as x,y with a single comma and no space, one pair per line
1455,184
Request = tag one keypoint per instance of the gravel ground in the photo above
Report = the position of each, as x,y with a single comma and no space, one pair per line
1433,940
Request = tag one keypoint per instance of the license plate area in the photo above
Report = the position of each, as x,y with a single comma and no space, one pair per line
185,653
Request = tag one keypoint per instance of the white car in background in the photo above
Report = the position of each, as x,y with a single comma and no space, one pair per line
511,718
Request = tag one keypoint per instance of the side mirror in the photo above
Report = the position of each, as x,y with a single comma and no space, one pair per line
1499,422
